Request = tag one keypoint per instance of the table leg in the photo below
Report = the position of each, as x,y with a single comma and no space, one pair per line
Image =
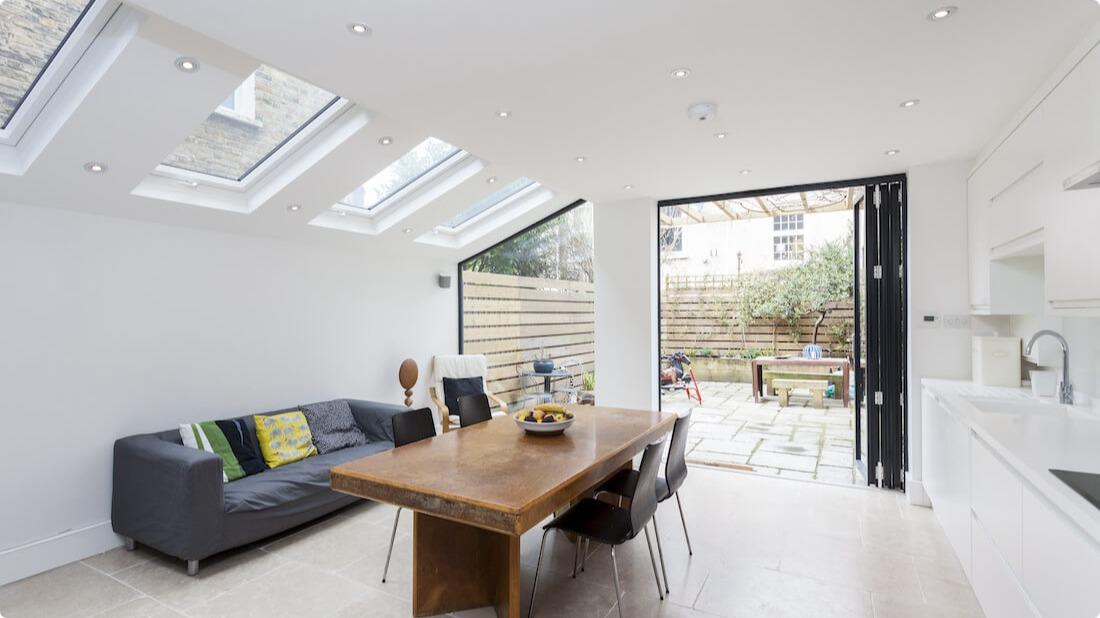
756,377
846,386
457,567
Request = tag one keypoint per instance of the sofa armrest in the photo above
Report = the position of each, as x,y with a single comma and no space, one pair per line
167,496
374,418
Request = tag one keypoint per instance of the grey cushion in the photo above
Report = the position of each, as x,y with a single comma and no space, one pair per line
293,481
332,425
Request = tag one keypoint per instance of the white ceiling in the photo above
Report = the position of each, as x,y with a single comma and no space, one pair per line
807,91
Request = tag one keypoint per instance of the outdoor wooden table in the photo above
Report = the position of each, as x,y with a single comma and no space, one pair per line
476,490
797,362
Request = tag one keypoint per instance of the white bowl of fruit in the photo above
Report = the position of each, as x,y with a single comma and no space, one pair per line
547,419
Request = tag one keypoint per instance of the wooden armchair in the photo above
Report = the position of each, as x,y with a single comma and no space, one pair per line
458,366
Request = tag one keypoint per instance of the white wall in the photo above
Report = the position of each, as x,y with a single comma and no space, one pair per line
112,327
938,284
626,303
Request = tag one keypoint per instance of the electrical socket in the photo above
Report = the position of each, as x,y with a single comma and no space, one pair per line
956,321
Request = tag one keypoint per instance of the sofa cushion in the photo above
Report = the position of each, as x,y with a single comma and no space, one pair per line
293,481
332,425
230,440
284,438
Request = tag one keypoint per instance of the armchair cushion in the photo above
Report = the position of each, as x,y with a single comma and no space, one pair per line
455,388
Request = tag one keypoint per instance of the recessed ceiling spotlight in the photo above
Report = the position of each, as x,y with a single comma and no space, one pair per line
342,213
360,29
407,230
892,152
504,114
190,184
680,73
187,65
942,13
95,167
745,172
628,187
491,179
580,159
294,207
909,103
720,135
386,140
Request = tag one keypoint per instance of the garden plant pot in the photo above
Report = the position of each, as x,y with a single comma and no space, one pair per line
543,366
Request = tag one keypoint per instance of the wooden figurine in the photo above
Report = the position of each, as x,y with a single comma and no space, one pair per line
407,375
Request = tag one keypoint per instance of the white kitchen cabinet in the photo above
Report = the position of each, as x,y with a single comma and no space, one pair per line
1061,564
947,473
995,502
994,584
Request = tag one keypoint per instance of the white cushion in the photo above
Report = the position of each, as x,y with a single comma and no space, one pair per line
458,366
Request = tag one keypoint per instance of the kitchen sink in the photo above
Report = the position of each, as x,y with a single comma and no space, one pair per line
1032,407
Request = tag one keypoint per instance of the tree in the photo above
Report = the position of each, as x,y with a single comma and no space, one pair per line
827,276
558,249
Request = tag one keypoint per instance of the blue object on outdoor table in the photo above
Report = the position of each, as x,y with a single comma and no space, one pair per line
812,351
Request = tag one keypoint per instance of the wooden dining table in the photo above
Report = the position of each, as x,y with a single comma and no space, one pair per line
476,490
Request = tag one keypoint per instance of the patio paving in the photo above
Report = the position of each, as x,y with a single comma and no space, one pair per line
730,430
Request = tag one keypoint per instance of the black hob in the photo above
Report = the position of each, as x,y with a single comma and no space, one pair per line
1085,483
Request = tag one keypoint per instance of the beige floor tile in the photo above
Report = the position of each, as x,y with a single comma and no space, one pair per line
71,590
763,592
337,542
885,607
145,607
166,579
857,568
290,590
117,559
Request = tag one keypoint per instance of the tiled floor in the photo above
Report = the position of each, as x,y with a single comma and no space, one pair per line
731,430
764,546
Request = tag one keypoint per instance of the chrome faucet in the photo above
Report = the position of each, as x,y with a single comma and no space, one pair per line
1065,389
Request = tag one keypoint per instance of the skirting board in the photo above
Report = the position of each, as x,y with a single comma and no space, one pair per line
49,553
914,491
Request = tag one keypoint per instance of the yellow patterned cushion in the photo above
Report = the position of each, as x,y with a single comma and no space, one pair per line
284,438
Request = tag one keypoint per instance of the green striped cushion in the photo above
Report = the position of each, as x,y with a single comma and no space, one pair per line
209,437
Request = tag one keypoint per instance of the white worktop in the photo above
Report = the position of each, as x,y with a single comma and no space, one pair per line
1032,443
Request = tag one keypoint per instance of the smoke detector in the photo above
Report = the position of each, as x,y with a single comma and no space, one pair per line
702,112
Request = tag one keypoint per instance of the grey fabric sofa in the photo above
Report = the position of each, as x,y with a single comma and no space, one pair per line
171,497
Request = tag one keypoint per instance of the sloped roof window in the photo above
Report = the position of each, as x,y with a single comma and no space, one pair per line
427,156
32,33
490,201
260,117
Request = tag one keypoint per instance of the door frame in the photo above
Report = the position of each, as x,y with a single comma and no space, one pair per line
868,471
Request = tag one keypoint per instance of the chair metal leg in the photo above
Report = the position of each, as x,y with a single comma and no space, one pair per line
660,553
584,553
653,563
535,584
618,594
576,552
393,535
192,567
687,538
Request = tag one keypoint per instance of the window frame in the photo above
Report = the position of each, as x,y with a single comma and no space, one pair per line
788,242
61,63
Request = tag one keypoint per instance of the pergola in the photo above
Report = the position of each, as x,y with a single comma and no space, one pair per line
761,207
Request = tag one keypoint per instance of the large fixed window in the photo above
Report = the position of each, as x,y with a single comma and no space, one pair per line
32,32
261,115
499,197
414,165
532,296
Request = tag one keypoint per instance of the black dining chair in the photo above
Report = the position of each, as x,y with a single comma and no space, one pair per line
408,427
612,525
473,409
626,483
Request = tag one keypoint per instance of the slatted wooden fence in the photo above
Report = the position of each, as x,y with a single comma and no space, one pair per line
704,317
510,318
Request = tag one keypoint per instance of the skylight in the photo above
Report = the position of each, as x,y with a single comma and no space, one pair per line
485,204
428,155
32,32
258,118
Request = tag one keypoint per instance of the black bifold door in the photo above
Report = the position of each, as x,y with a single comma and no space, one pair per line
881,379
